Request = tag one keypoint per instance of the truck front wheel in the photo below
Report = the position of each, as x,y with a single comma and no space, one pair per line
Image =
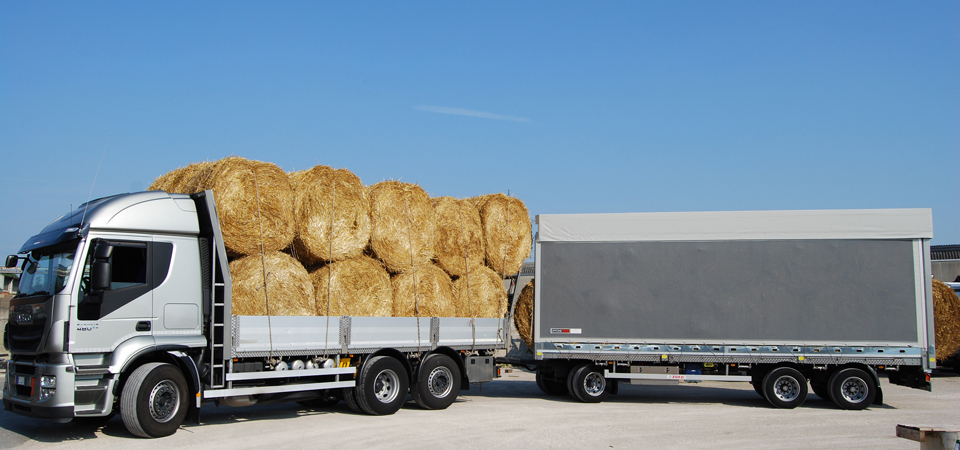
587,384
154,400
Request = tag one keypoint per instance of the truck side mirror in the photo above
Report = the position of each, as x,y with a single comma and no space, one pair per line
101,272
12,261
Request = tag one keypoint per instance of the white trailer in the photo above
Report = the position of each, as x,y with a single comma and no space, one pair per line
777,298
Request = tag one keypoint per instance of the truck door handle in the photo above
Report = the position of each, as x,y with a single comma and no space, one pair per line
143,325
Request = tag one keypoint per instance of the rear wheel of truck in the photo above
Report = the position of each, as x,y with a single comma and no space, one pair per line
852,389
587,384
154,400
550,385
785,387
382,386
439,383
350,398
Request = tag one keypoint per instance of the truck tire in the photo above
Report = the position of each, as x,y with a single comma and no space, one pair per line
587,384
785,387
350,398
757,381
852,389
550,386
439,383
154,400
382,386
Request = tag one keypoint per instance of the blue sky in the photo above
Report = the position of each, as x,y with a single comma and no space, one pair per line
573,107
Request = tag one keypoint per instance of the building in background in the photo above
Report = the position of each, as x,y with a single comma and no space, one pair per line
945,262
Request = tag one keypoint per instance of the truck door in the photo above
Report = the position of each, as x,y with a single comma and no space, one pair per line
105,319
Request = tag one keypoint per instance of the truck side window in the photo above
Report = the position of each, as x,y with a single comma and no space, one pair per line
129,267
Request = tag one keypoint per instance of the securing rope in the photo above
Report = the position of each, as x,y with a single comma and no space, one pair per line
466,274
503,269
333,206
416,296
263,263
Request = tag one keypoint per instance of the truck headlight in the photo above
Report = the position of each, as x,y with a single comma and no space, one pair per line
48,381
46,393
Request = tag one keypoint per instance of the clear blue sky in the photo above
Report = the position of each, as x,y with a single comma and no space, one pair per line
573,107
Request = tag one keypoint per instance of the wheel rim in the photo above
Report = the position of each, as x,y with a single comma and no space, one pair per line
594,384
854,390
786,388
385,386
164,401
440,382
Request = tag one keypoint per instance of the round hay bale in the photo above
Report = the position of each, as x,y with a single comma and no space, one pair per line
523,314
459,238
506,232
162,182
295,177
946,320
434,293
322,194
193,176
236,182
403,225
288,286
357,287
486,296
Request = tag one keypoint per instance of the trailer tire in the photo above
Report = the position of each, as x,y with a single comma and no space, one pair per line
154,400
785,387
852,389
382,386
757,381
439,383
587,383
551,386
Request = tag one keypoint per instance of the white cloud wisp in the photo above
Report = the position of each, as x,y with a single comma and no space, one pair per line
468,112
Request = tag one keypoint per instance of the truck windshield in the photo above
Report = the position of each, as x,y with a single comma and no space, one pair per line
47,270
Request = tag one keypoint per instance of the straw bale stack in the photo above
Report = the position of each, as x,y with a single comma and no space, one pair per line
459,239
485,297
403,230
946,320
523,314
322,194
506,232
357,287
162,182
288,286
433,296
236,183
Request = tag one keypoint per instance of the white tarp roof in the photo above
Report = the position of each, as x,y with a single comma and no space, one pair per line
737,225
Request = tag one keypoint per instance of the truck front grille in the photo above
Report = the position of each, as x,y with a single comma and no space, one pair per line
26,338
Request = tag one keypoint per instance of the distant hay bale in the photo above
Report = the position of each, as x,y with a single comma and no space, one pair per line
523,314
403,230
236,183
486,296
946,320
322,194
459,238
506,232
288,286
434,293
357,287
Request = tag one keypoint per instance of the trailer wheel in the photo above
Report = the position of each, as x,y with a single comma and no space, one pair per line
382,386
757,381
785,387
852,389
587,384
154,400
439,383
550,386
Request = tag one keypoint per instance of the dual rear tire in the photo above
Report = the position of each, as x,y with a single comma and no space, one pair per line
850,388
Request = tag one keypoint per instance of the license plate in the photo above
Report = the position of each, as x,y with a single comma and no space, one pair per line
23,381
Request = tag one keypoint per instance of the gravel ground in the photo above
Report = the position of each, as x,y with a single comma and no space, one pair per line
512,413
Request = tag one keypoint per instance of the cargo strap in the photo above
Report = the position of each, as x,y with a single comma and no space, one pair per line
263,263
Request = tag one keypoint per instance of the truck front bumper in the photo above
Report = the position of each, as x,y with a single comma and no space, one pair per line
24,393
